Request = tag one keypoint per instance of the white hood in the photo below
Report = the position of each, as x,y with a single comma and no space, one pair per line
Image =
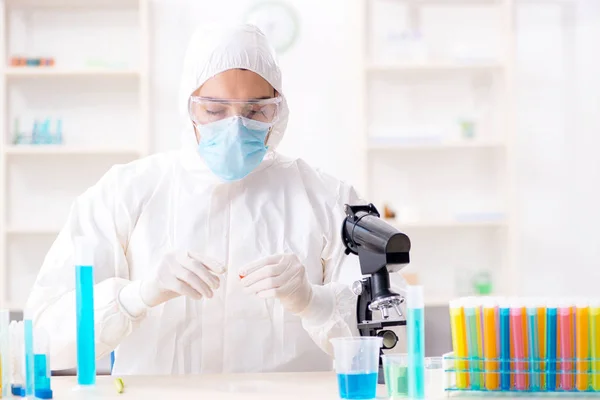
212,51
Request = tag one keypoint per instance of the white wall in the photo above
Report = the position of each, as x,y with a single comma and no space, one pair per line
558,142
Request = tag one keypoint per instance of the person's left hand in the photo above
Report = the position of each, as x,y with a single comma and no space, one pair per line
280,276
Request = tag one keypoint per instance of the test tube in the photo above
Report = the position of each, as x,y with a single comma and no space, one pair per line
84,288
28,361
16,353
551,345
4,358
534,346
516,330
459,343
574,337
479,317
41,355
582,350
595,343
472,346
505,345
566,346
491,351
415,324
541,320
525,345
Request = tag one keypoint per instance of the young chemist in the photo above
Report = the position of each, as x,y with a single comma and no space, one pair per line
222,257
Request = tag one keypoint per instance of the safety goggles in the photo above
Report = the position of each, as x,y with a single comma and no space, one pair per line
205,110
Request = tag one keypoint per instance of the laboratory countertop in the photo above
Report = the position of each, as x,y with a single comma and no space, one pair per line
291,386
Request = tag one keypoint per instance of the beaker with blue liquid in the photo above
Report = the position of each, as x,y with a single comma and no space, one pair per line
357,366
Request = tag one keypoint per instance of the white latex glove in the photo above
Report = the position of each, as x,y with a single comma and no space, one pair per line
279,276
181,274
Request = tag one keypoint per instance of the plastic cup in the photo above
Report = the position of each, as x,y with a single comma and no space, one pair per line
434,377
395,368
357,364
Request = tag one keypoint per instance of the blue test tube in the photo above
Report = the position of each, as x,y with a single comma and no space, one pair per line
28,349
534,348
84,289
504,346
551,323
415,324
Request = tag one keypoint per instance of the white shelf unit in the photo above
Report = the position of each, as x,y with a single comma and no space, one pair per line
433,67
448,224
18,72
441,243
62,150
435,145
24,238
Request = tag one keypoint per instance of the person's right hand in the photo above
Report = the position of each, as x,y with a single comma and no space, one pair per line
181,274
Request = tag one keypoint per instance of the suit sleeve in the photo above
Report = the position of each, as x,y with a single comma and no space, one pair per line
100,215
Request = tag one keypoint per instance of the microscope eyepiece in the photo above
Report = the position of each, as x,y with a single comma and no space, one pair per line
364,229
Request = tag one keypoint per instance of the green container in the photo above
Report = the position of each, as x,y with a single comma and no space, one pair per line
395,367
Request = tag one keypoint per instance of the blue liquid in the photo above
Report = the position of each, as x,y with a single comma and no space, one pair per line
29,367
17,390
534,355
505,348
42,375
415,320
551,348
358,386
86,351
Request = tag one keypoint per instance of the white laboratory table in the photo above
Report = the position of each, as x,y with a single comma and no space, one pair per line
292,386
280,386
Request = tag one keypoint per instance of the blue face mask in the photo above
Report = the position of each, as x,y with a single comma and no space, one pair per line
233,147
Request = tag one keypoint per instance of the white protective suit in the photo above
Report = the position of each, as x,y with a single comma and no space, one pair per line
141,211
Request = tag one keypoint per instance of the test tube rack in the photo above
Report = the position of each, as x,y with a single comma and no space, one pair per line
523,377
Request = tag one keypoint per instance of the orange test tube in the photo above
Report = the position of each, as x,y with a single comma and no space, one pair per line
490,343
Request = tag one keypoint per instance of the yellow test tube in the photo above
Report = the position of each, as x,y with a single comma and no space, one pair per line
459,343
490,349
558,353
582,350
595,344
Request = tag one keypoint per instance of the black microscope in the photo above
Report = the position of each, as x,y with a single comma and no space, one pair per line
381,249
